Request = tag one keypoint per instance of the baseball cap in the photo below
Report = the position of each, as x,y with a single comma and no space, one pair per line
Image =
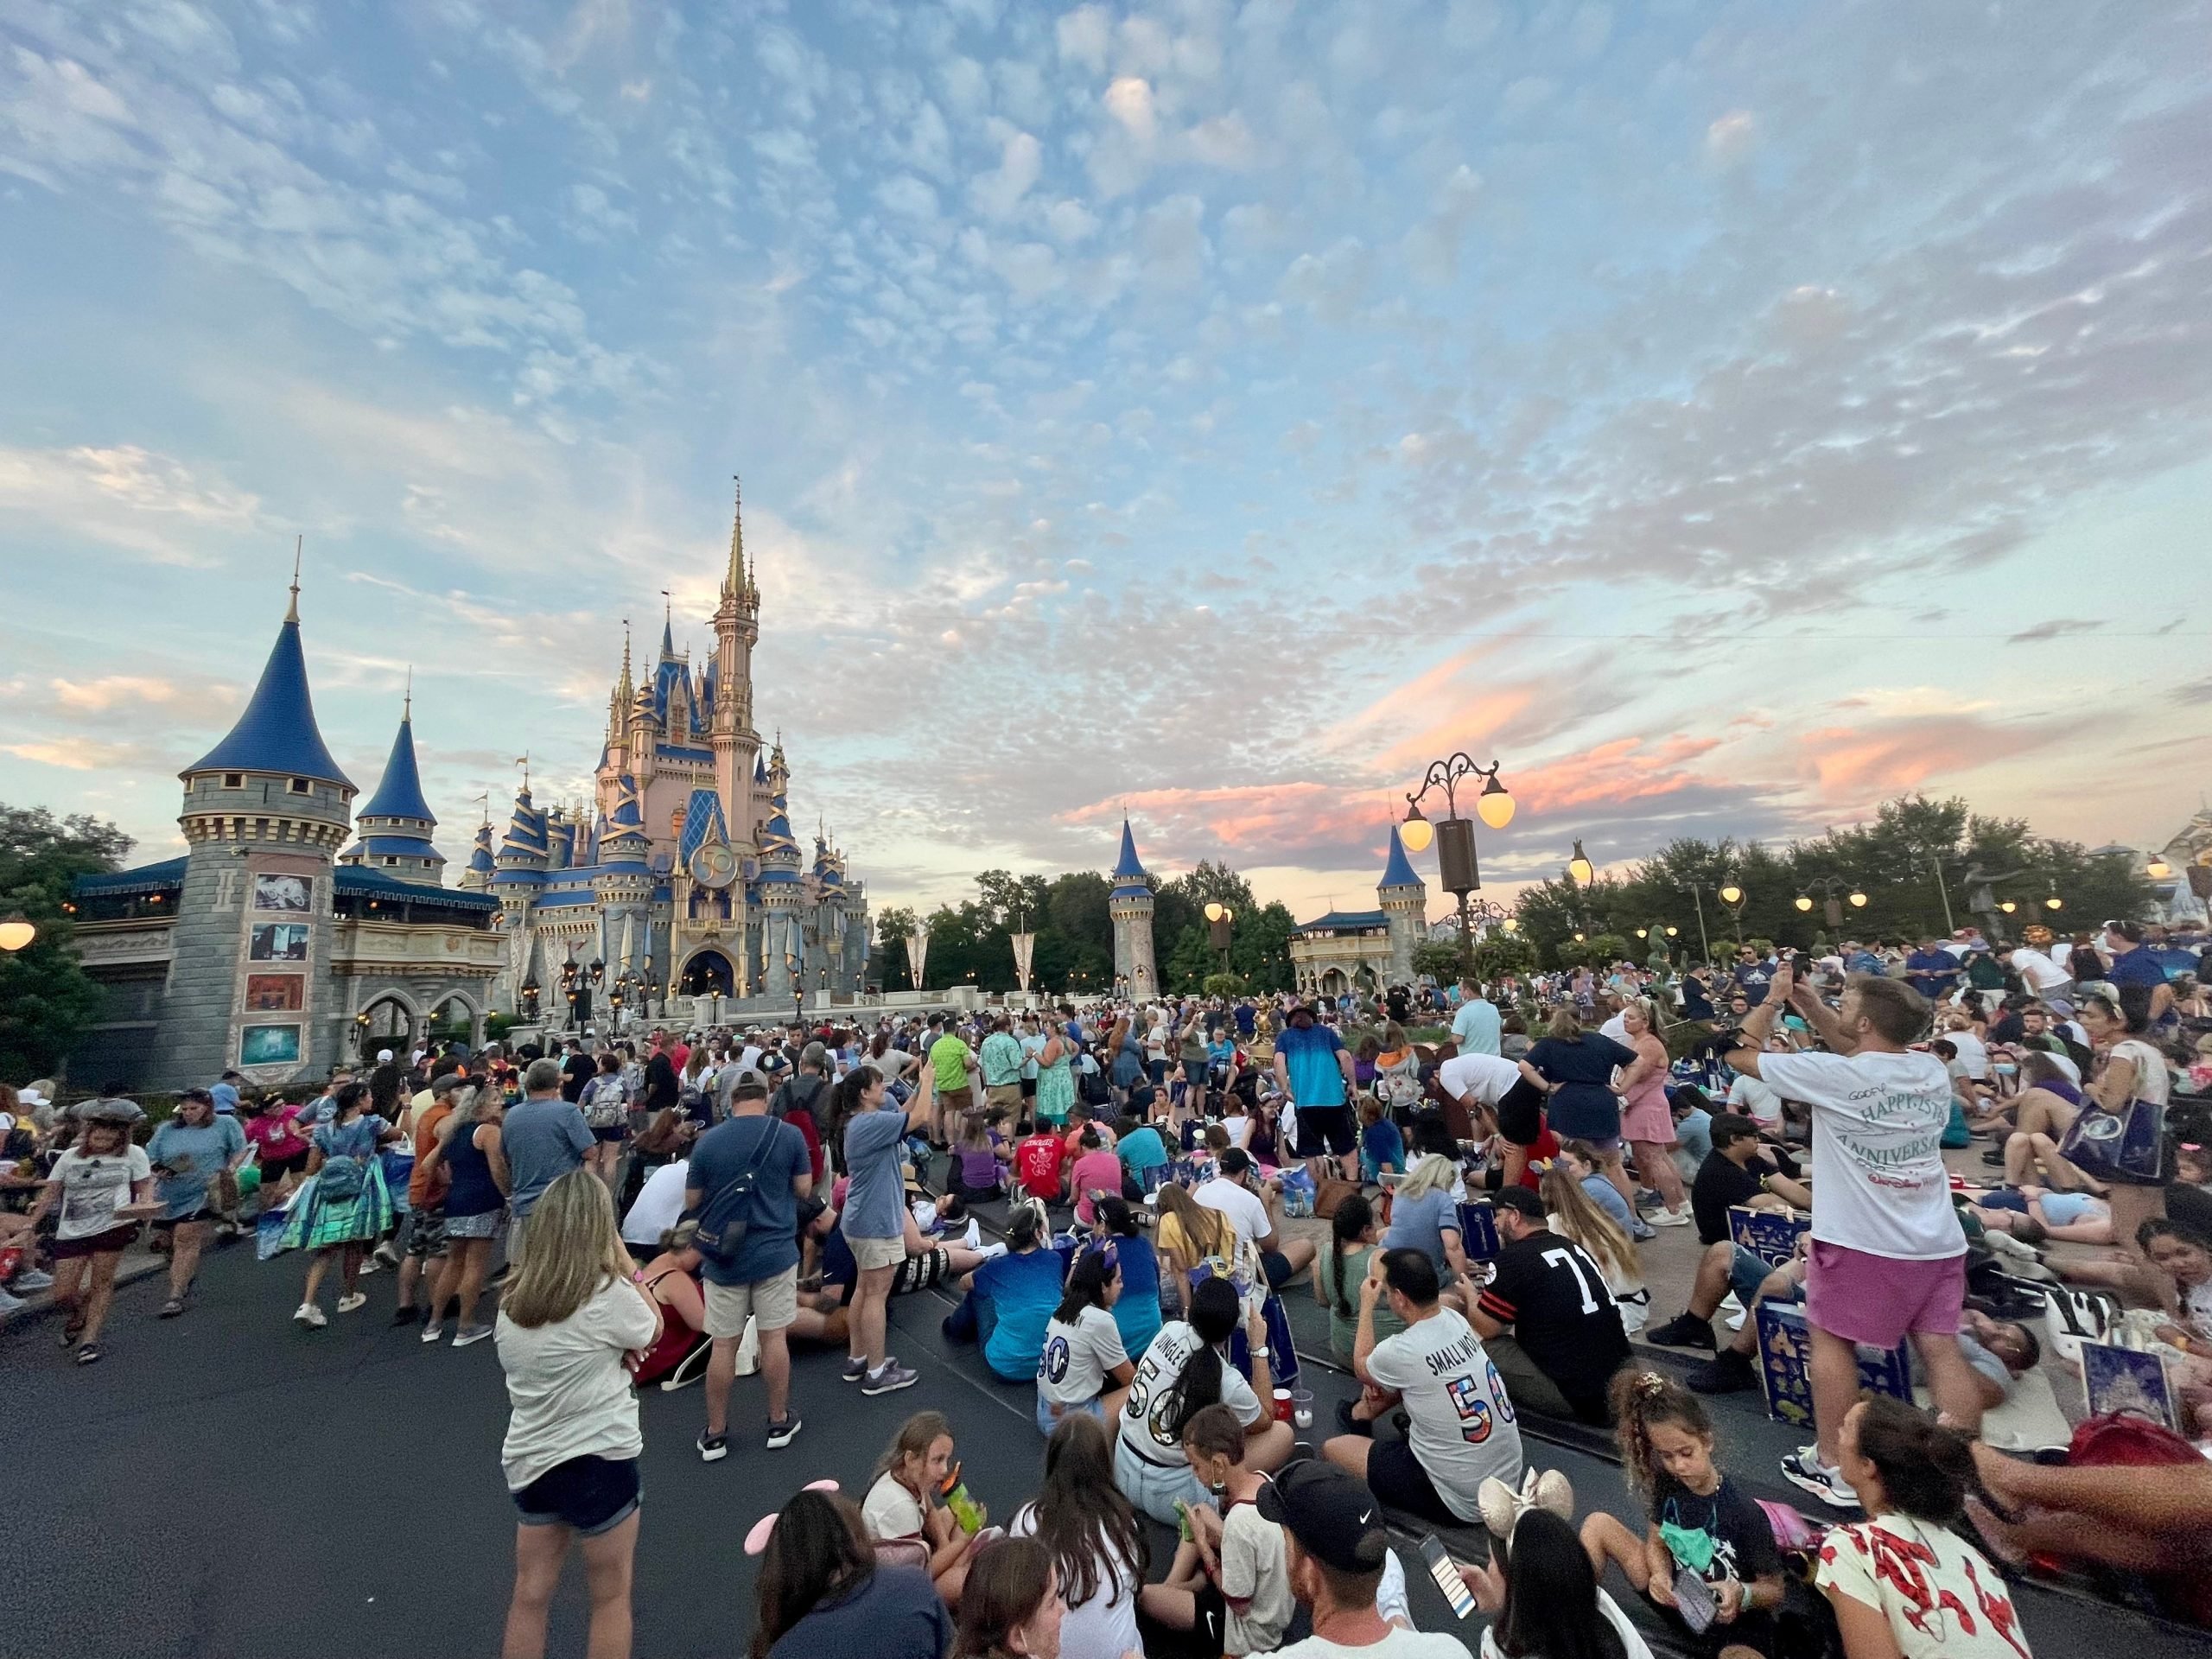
1332,1514
749,1082
384,1056
1519,1199
1235,1161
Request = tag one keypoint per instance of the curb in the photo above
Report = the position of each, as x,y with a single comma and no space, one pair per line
134,1266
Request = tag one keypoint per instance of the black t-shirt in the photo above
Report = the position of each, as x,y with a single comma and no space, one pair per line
2190,1206
1555,1297
1719,1184
1741,1543
1697,1004
576,1072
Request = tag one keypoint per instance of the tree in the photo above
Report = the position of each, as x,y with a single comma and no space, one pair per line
1438,959
1503,953
47,1000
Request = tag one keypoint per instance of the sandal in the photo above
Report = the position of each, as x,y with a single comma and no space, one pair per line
70,1331
172,1307
88,1353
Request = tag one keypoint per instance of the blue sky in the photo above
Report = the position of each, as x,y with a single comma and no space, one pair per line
1727,415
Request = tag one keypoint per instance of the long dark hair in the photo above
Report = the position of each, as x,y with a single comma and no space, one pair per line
1214,1307
1927,1470
1006,1586
844,1100
1551,1610
1082,1516
818,1548
1086,1287
1354,1216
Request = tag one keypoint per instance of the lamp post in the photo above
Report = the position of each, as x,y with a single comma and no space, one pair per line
1454,836
1731,893
1220,920
17,932
1831,906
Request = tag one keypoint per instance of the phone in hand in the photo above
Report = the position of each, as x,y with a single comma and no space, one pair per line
1694,1600
1445,1572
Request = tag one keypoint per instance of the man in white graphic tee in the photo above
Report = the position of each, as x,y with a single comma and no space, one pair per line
1888,1256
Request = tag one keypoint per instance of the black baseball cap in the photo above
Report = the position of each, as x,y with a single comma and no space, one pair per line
1235,1161
1332,1514
1519,1199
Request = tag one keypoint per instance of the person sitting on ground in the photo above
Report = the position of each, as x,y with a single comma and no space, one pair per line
1569,1213
905,1520
1338,1557
1191,1234
1228,1587
1904,1584
1083,1369
821,1593
1184,1370
1012,1608
1096,1175
1701,1522
927,1266
1337,1275
1735,1367
1727,1179
1136,1311
1565,1340
1425,1210
1692,1110
1016,1295
1381,1148
1254,1214
1143,1156
977,1167
1460,1420
1037,1163
1543,1597
1099,1555
672,1279
2046,1106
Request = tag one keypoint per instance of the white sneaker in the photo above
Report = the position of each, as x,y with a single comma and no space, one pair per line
311,1316
433,1332
350,1304
1390,1594
1804,1470
1677,1217
9,1304
974,1240
992,1250
369,1266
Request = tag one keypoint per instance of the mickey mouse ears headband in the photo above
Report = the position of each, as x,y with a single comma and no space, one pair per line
1503,1507
757,1540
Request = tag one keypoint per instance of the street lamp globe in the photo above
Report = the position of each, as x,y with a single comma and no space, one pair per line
1671,931
1494,806
2158,869
17,932
1417,832
1803,902
1733,894
1511,924
2006,905
1215,910
2054,903
1643,932
1578,939
1857,899
1579,867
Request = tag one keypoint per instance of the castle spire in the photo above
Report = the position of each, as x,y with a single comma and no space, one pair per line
735,581
277,732
622,689
292,611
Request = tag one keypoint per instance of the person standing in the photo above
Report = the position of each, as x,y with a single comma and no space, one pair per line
952,1069
469,1150
187,1154
568,1327
1647,1124
346,1207
1579,1067
1314,1069
1002,1063
745,1178
1888,1255
875,1218
544,1137
104,1186
1055,1073
426,1194
1476,1027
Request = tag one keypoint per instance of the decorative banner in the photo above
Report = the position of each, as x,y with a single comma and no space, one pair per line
917,948
1025,946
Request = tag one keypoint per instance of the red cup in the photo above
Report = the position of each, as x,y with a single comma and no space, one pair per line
1283,1405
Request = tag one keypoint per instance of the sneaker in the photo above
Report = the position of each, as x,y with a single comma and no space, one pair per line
470,1333
1642,1231
892,1377
1648,1197
783,1433
353,1303
1390,1594
1728,1372
856,1370
369,1265
1349,1424
992,1251
1672,1217
1685,1330
171,1308
974,1236
9,1304
1803,1468
387,1253
433,1332
311,1316
31,1280
713,1448
88,1353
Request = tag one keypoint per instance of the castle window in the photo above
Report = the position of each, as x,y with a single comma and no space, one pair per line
390,859
234,780
300,787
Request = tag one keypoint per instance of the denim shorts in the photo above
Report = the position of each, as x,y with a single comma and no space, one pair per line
586,1494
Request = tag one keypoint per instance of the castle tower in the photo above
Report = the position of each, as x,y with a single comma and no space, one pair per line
735,744
477,878
623,888
517,877
396,824
1130,905
264,812
1404,898
782,889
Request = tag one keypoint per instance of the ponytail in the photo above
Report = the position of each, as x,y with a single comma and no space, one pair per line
1213,1317
1640,1399
1353,1217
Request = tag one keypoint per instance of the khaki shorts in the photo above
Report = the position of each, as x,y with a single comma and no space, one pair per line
1008,1095
877,1252
773,1302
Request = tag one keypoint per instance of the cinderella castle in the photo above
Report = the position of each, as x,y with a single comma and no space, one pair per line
274,947
685,879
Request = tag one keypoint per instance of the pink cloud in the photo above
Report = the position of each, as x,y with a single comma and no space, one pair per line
1613,773
1277,821
1859,765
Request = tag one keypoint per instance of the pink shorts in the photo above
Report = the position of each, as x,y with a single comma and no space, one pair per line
1877,1300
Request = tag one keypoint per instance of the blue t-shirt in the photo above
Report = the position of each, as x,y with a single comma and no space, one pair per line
1416,1224
1476,1026
1247,1021
226,1097
897,1614
875,1204
770,1211
544,1140
1310,1055
1136,1315
1380,1143
1931,972
2137,967
1141,1151
1693,1138
1023,1292
197,1156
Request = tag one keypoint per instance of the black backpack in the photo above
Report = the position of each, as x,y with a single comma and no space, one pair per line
722,1221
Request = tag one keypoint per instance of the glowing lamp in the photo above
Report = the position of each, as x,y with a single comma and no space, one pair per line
1495,805
1417,832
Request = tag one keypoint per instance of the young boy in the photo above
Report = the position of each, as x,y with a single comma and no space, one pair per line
1229,1582
1037,1162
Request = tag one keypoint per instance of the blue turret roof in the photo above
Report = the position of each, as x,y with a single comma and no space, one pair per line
667,639
277,732
1399,871
1127,865
481,859
399,793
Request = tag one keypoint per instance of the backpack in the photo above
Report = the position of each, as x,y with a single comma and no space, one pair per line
722,1221
606,1103
343,1174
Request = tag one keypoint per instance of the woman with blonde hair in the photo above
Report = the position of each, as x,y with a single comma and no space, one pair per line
1647,1121
1569,1212
1188,1234
571,1326
1425,1212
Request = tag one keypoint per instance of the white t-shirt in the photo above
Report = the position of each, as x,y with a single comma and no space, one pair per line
568,1393
1878,1178
1254,1570
1401,1643
1076,1356
1145,1417
1942,1600
1104,1627
1485,1077
1756,1100
2040,972
890,1511
659,1205
1462,1425
1239,1203
93,1189
2153,1082
1608,1609
1239,1126
1972,1052
1616,1028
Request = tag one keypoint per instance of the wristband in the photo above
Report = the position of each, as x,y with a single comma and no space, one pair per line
1260,1353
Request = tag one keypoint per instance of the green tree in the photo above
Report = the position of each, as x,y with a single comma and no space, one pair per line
1438,959
1501,954
47,1000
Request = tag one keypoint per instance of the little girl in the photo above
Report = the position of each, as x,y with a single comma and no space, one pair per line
1702,1525
905,1523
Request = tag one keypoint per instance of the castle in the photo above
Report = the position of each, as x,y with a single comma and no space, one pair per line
1352,950
267,947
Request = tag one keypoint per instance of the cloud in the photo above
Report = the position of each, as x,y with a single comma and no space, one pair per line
996,193
1730,138
125,497
2056,628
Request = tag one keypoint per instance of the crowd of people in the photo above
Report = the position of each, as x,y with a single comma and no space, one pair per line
701,1205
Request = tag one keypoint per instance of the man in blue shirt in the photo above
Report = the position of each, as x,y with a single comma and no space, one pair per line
2134,964
1314,1069
226,1094
1476,1026
1751,975
544,1137
1931,971
759,1278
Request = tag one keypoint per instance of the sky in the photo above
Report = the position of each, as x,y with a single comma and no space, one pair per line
1725,415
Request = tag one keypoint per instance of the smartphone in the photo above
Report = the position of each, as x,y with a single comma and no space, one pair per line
1694,1600
1445,1572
